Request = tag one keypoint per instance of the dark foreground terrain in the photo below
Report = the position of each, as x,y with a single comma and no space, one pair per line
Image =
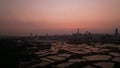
30,54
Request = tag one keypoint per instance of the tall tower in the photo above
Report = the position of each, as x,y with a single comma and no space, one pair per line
116,32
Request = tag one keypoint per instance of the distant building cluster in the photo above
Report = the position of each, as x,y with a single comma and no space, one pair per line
79,37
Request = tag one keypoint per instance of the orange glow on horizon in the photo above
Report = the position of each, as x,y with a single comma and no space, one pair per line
51,16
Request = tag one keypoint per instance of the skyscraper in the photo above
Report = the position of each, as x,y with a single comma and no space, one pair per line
116,32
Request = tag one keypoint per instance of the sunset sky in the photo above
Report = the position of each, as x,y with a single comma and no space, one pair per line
22,17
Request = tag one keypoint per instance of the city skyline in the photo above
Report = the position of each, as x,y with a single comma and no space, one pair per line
58,16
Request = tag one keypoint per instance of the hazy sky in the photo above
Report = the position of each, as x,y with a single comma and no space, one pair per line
22,17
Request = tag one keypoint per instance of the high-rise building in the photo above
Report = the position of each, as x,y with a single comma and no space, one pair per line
116,32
